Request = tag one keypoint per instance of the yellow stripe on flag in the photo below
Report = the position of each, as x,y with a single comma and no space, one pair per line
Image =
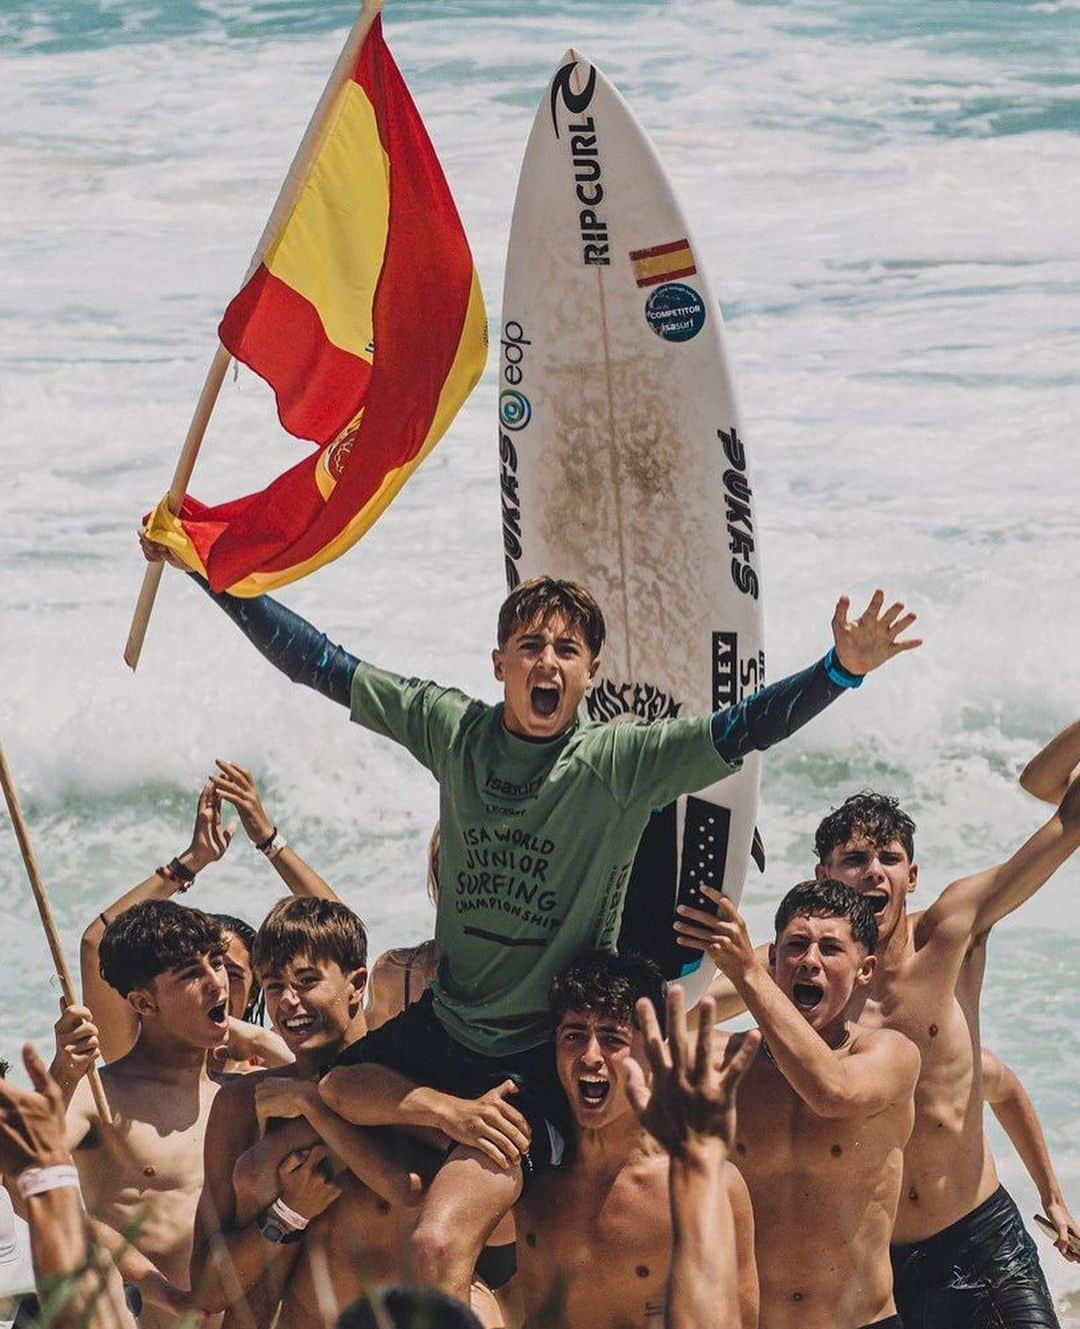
164,528
464,373
661,264
352,171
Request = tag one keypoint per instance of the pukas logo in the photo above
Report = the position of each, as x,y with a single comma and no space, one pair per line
584,161
738,514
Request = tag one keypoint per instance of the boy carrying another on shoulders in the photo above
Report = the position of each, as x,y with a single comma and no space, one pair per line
540,815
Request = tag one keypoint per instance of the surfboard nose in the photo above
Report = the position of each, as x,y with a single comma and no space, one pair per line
580,76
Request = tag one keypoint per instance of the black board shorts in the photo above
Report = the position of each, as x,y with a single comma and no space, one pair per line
981,1272
416,1044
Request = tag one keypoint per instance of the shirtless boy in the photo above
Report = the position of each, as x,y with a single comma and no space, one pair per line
961,1253
962,1257
540,817
823,1113
597,1231
273,1224
143,1174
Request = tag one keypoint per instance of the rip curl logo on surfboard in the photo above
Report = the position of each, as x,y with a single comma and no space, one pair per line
515,411
675,311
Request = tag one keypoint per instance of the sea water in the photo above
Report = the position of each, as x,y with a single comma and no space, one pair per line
886,199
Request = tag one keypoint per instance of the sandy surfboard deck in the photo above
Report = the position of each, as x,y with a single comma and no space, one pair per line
624,466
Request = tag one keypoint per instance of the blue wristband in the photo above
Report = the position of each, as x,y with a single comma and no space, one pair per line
842,677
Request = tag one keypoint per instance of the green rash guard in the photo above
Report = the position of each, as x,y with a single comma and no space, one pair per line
538,838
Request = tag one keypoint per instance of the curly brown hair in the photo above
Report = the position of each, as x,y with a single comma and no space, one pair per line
878,818
608,985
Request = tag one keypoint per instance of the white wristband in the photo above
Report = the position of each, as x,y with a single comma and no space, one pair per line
288,1217
276,845
36,1180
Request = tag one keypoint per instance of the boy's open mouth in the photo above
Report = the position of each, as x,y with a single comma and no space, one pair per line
877,900
545,700
807,995
593,1091
219,1014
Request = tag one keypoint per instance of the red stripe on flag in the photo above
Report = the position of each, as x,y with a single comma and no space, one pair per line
657,250
419,307
278,333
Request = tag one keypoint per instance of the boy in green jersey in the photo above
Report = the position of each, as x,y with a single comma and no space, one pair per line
540,814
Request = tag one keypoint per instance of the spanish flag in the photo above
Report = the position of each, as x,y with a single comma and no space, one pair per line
365,317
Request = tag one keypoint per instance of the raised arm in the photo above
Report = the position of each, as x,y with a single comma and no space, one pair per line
1013,1107
972,905
236,785
302,653
689,1107
880,1070
1049,773
117,1024
777,711
75,1279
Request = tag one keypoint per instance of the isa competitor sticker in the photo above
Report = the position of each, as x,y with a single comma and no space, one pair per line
675,312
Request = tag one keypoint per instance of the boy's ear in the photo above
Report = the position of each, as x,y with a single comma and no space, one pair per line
913,877
866,970
772,957
142,1001
357,982
821,872
497,664
594,667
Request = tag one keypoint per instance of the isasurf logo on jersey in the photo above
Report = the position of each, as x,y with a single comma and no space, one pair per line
734,678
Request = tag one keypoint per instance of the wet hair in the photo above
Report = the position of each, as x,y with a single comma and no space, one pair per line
255,1010
153,937
541,598
609,985
877,818
316,929
407,1308
830,899
5,1066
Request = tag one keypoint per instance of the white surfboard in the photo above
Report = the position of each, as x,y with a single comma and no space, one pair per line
624,466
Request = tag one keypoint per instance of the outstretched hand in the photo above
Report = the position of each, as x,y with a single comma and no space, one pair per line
691,1099
872,639
236,785
32,1124
210,838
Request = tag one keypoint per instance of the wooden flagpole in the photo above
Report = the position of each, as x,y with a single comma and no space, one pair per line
51,936
279,214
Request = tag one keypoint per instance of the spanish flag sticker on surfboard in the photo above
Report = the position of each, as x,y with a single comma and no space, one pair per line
625,465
